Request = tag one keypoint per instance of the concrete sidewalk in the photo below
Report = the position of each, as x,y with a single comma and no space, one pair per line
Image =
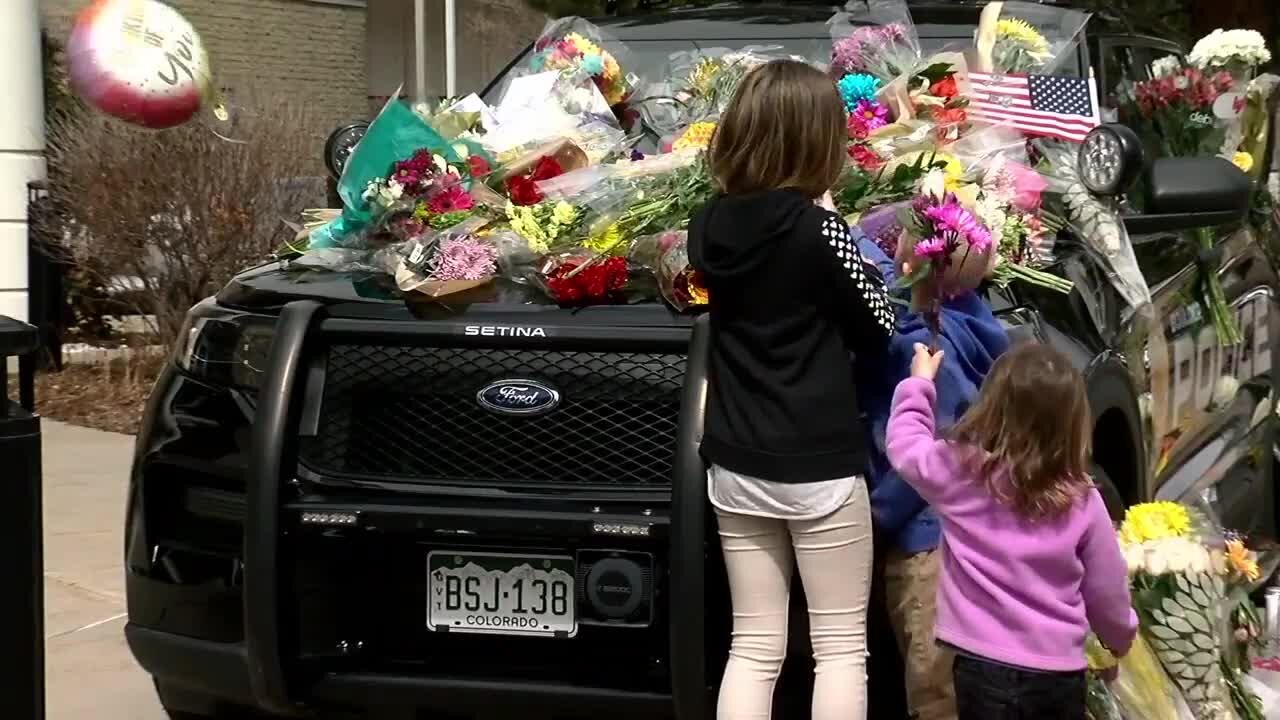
89,671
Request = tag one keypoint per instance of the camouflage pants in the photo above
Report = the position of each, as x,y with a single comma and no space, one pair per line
911,587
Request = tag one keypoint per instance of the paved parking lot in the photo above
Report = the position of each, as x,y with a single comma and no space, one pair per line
89,671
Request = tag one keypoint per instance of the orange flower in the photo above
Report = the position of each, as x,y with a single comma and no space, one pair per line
1241,561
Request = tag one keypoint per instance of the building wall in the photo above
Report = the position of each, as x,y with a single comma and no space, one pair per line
490,34
310,51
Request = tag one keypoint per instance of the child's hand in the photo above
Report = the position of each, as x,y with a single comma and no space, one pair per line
828,202
925,364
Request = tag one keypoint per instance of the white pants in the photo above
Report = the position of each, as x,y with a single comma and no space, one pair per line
833,554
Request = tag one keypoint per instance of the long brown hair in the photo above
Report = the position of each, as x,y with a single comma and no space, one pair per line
1032,420
784,128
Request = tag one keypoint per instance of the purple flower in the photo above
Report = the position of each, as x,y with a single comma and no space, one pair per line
464,259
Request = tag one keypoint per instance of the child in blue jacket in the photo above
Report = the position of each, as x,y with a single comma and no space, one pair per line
972,339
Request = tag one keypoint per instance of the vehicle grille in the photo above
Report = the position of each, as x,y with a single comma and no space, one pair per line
411,413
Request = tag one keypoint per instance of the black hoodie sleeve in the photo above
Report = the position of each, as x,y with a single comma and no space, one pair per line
858,289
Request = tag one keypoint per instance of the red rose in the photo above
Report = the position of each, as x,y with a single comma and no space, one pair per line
950,116
946,87
547,168
478,166
523,191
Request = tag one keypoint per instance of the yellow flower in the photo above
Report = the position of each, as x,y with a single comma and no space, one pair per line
1243,160
704,75
1023,33
606,241
952,169
585,46
1154,521
563,213
1241,561
697,136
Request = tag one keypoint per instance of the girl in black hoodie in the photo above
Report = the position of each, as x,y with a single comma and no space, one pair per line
791,299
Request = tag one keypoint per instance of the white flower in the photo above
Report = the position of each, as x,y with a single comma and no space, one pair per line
1134,557
934,184
441,164
991,212
1222,47
1167,65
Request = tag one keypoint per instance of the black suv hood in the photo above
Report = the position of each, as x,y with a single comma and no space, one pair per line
266,289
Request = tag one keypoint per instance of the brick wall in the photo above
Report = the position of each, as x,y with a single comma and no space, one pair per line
307,51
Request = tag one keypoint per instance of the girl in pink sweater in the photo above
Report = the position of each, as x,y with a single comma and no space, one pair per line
1030,557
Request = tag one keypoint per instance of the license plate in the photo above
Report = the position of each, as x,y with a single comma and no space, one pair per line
500,593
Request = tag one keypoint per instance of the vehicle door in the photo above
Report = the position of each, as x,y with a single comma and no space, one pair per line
1207,405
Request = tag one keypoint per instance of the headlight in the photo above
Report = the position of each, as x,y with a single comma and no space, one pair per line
339,146
1110,159
223,348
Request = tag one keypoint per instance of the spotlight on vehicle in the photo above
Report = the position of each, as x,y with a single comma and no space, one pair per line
341,143
1110,159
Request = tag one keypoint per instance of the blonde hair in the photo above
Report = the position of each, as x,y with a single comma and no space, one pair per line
784,128
1032,419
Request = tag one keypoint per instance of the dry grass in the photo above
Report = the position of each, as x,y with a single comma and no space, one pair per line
107,397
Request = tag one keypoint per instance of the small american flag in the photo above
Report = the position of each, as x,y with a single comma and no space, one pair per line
1042,105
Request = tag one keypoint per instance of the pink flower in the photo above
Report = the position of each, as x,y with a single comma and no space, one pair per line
868,115
451,199
950,217
1028,185
933,248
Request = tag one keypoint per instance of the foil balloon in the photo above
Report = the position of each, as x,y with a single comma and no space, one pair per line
140,61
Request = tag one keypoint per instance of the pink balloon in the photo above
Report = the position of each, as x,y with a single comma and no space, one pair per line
140,61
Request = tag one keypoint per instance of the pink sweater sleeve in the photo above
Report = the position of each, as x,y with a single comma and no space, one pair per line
1106,581
921,459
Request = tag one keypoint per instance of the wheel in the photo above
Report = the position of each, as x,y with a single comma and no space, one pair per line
1110,495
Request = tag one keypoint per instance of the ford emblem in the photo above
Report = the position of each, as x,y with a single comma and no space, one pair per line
518,397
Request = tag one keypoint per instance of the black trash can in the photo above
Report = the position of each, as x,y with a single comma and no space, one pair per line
21,533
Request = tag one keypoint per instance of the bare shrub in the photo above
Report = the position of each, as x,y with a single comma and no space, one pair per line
164,219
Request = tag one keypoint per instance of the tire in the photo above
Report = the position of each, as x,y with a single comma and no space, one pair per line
1110,495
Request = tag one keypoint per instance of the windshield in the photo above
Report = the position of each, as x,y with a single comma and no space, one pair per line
651,59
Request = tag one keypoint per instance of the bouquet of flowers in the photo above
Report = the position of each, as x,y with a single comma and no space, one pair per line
945,248
1237,51
401,160
445,263
1023,37
578,279
573,45
667,256
1009,202
1141,689
876,38
703,82
1180,596
1179,109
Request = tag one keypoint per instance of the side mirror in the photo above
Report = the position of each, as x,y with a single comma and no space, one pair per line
339,146
1191,192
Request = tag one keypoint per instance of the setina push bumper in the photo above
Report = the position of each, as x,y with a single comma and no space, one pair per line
461,598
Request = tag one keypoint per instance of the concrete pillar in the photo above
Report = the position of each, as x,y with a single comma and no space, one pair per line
21,144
